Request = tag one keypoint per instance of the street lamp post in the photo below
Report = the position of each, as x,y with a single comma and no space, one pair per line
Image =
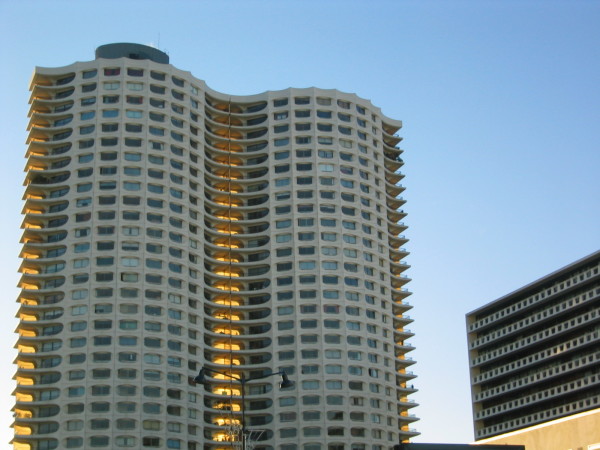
285,383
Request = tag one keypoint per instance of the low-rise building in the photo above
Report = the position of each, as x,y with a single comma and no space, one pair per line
535,362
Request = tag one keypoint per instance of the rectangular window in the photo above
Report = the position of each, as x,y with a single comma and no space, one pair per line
111,85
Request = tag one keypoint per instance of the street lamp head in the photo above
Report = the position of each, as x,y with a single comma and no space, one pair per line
200,379
285,381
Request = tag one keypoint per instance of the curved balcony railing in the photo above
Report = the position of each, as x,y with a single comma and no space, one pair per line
239,259
235,134
235,359
220,243
39,379
392,177
234,187
396,242
237,331
226,147
394,190
34,299
224,120
32,221
45,80
47,346
394,202
234,229
233,270
33,362
240,346
37,317
395,215
227,284
222,299
395,227
236,173
238,217
28,330
37,178
215,106
42,150
238,313
239,163
225,199
41,208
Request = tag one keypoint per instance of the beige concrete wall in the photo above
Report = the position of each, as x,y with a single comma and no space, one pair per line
577,432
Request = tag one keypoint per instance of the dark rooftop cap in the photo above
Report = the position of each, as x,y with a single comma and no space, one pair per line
132,51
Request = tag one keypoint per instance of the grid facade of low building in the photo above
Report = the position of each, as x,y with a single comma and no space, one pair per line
169,227
535,353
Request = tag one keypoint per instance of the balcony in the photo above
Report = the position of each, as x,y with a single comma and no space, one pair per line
220,106
238,174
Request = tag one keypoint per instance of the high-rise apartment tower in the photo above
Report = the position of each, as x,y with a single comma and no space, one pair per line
170,228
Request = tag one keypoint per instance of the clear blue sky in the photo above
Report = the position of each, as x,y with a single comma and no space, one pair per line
500,103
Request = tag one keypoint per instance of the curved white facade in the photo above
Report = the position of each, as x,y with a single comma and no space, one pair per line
169,227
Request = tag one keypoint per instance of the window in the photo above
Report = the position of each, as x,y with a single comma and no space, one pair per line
110,99
85,102
307,265
288,432
346,170
112,71
354,340
311,400
157,103
328,237
87,115
355,326
132,171
283,223
334,384
304,180
283,238
306,222
111,85
328,222
310,384
80,294
135,86
134,99
80,278
331,323
282,267
78,310
87,129
302,127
